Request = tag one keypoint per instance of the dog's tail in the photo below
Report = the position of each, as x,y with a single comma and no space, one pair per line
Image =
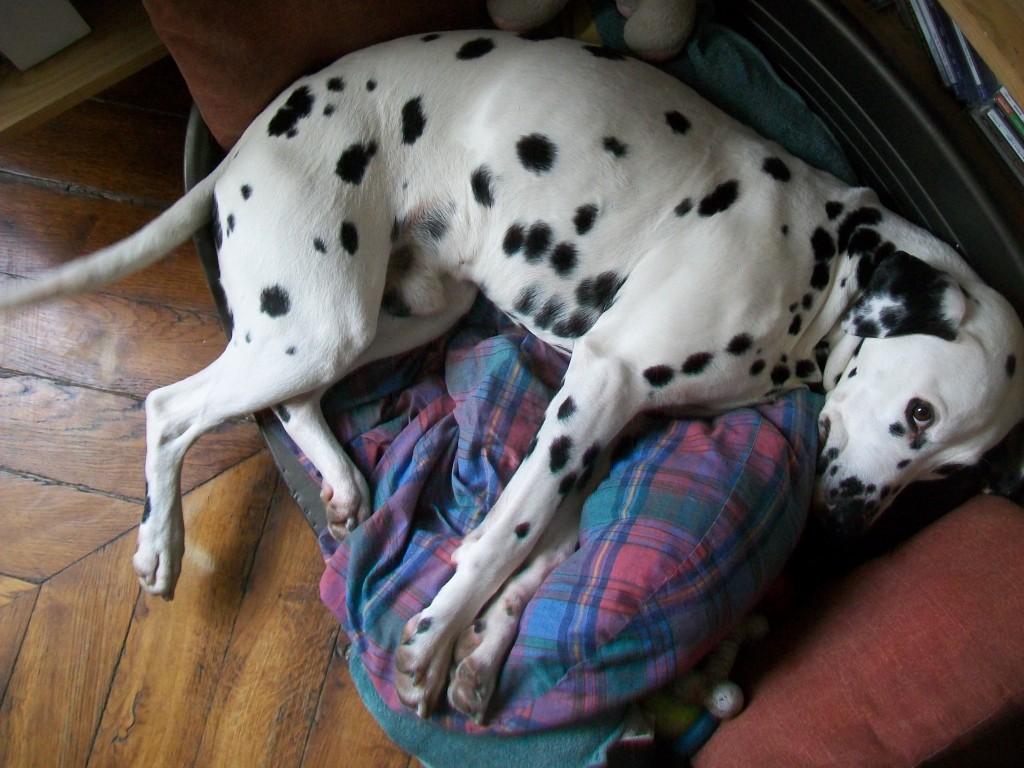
137,251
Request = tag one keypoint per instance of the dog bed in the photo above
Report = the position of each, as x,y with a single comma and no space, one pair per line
692,525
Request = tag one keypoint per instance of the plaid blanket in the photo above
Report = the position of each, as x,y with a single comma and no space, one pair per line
692,524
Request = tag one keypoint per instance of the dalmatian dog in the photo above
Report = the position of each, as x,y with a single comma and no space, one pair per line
684,262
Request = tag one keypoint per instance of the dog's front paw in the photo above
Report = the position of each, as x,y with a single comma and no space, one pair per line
157,561
422,663
346,506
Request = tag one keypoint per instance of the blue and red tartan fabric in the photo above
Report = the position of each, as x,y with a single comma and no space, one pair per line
676,544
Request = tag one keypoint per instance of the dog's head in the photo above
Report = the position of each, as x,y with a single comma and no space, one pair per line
925,381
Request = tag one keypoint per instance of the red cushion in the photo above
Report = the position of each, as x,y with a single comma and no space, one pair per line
237,56
905,656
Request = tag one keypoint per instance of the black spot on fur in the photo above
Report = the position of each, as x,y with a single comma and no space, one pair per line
474,49
756,367
218,232
776,168
659,375
274,301
859,218
231,224
538,241
336,84
423,625
522,530
430,38
806,368
864,240
349,237
795,325
614,146
435,223
584,219
526,300
394,304
739,344
897,429
833,209
536,153
246,191
480,182
919,442
352,165
720,199
823,245
147,508
413,120
599,292
576,325
696,363
290,351
564,259
807,301
684,207
780,374
566,409
820,276
677,122
319,245
1011,365
371,85
549,313
298,106
603,52
515,236
561,447
903,463
567,484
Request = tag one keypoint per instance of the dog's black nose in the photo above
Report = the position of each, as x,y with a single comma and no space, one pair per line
848,519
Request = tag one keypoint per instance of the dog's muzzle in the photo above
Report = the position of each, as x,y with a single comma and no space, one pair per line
843,502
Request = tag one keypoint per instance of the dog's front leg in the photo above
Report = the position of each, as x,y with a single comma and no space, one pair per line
599,396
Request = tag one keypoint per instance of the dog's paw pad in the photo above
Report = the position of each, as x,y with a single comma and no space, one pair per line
421,668
471,688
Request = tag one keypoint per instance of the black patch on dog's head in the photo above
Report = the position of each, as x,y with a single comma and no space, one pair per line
536,153
285,120
904,296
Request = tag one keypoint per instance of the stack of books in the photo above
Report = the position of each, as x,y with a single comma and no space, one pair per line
971,81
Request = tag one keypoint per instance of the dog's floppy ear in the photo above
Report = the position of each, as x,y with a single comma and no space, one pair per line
906,296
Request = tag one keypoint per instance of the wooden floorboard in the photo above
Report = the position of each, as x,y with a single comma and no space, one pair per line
242,667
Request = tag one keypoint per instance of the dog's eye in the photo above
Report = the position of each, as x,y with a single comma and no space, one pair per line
920,414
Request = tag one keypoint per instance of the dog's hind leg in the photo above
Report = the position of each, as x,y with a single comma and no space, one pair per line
343,490
235,384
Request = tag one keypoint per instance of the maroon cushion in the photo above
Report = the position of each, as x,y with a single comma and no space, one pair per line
237,55
909,656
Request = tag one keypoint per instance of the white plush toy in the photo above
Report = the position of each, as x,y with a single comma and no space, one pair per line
656,30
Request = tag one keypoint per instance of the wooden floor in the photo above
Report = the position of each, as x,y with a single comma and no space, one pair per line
243,667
